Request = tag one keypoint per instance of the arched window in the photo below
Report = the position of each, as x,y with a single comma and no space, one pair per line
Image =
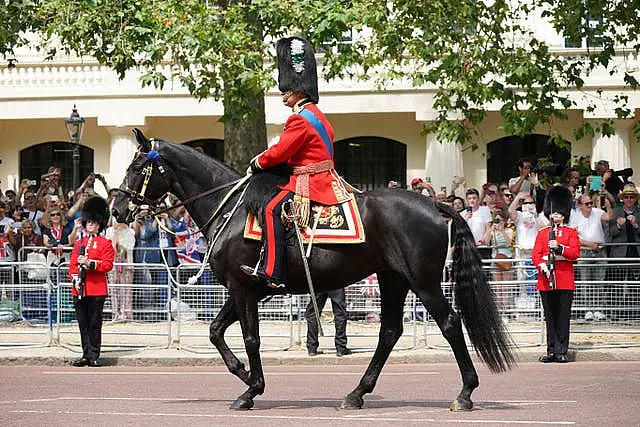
35,160
211,147
369,162
503,155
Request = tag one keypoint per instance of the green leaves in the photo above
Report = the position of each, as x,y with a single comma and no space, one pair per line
470,54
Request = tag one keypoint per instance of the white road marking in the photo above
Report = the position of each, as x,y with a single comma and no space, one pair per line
279,374
302,418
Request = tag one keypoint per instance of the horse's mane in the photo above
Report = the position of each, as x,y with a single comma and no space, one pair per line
263,187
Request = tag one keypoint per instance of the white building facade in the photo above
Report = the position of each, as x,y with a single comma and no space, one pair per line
36,96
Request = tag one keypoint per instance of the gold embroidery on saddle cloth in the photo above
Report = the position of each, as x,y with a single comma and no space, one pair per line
331,216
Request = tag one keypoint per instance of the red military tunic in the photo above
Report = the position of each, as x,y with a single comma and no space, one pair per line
301,145
568,238
100,250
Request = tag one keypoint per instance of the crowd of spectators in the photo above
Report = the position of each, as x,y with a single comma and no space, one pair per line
41,218
505,218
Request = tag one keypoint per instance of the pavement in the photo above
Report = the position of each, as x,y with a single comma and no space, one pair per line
56,355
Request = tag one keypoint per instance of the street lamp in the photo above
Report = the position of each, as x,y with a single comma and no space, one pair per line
75,125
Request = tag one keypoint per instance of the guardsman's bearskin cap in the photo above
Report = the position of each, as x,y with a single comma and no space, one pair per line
558,200
95,209
297,71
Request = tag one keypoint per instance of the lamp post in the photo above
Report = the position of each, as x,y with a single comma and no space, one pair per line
75,125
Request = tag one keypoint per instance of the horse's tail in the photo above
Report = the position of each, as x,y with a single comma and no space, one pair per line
475,300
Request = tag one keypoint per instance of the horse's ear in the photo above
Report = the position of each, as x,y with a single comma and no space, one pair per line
143,142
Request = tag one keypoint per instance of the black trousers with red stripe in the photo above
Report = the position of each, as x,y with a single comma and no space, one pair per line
557,314
273,260
89,314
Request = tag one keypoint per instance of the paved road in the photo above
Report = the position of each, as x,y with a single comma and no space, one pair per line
581,393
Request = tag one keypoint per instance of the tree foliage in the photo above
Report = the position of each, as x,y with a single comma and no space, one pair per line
471,54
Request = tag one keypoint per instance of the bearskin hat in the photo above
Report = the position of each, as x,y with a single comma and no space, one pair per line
297,71
95,209
558,200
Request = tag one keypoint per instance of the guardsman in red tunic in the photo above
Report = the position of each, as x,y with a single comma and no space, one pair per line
306,145
91,260
556,249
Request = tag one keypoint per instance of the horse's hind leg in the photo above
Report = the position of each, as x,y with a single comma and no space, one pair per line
451,326
225,318
392,296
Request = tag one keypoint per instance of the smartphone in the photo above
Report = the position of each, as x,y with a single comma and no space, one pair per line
469,209
54,198
1,228
596,183
427,179
602,206
443,188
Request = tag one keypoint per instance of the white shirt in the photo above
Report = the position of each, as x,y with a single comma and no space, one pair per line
526,230
478,221
589,228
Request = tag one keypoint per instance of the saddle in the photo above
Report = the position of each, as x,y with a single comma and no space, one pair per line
333,224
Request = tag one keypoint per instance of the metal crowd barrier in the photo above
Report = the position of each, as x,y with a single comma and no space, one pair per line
37,309
25,311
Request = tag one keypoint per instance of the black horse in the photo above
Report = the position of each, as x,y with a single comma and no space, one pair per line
406,245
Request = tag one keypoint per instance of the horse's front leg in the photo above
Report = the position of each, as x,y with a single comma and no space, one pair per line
225,318
247,310
392,297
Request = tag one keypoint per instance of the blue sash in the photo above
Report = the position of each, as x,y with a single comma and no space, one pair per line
319,127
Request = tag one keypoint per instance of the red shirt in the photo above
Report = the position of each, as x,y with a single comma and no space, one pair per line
301,145
567,237
100,250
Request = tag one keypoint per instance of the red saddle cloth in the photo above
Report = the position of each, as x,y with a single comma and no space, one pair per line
337,224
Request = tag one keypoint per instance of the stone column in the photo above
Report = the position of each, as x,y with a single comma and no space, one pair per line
123,147
615,148
273,133
443,161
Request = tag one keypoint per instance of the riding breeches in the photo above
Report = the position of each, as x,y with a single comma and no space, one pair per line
273,260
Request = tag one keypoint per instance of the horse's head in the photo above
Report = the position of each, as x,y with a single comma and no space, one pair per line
146,181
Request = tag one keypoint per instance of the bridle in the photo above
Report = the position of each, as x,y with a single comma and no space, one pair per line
139,198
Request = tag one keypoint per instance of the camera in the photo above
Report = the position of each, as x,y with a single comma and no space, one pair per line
32,182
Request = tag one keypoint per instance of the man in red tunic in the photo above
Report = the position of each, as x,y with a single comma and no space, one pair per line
306,145
563,242
91,260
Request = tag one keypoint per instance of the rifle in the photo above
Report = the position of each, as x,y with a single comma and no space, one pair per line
552,259
82,273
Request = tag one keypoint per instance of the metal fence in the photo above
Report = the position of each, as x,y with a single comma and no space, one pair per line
36,308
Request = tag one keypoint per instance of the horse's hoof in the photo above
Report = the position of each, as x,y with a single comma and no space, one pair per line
242,404
352,402
461,405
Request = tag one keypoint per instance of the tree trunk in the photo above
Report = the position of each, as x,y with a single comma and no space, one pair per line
246,135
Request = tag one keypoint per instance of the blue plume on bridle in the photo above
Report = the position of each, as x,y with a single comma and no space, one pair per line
153,156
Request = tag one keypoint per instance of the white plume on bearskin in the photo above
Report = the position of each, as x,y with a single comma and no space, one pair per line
297,70
558,200
95,209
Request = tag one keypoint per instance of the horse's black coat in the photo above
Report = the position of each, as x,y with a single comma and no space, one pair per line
407,243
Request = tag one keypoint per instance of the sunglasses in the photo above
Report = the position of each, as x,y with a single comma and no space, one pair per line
588,204
55,214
